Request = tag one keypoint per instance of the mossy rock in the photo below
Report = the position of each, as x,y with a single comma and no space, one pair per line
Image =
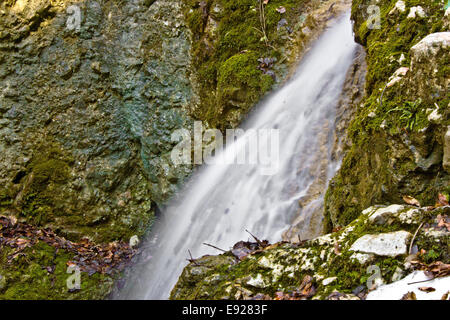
395,149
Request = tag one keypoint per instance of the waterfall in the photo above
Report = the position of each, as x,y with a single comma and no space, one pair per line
221,201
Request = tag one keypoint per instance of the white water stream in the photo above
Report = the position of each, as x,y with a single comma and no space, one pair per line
220,202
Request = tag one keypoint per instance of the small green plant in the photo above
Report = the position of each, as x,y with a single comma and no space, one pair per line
262,19
409,113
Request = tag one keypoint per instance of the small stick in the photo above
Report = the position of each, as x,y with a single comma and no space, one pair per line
257,240
414,237
421,281
192,260
210,245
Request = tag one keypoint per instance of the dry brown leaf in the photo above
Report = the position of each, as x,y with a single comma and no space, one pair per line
442,199
442,222
411,201
337,248
409,296
427,289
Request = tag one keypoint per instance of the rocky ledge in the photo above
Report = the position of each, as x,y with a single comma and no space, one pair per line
370,255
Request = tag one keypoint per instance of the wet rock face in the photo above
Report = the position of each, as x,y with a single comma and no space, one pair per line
90,94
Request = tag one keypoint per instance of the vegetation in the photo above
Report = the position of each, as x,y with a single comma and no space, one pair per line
395,149
229,38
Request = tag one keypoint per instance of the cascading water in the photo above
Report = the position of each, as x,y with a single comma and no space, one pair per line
221,201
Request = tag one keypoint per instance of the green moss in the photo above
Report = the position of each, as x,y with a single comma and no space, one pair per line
237,41
42,190
239,79
40,272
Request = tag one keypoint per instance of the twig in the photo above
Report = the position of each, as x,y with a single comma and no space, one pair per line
257,240
414,237
262,20
210,245
192,260
421,281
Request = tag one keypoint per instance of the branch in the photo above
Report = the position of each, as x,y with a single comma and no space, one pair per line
210,245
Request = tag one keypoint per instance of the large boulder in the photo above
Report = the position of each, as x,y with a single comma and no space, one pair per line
87,111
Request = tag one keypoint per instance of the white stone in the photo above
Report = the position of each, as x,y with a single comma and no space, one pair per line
401,59
399,7
381,215
410,216
430,45
362,258
385,244
434,115
369,210
257,282
327,281
134,241
437,234
416,11
396,290
397,76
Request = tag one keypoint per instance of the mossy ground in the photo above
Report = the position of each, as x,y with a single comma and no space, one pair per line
40,272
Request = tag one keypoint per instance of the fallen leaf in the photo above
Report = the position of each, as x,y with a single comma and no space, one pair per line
443,222
412,201
427,289
337,248
242,249
336,229
443,200
409,296
439,269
